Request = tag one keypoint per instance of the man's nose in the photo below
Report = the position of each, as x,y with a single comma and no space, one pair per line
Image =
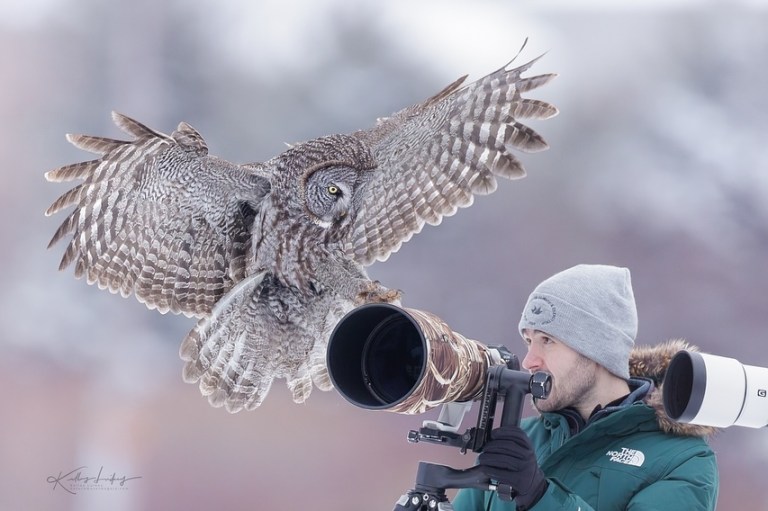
531,362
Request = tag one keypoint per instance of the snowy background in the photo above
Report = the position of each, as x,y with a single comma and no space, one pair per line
658,162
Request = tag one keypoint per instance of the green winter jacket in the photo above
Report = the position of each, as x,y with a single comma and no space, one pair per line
633,458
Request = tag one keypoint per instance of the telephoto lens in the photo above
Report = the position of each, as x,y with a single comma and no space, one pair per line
408,361
715,391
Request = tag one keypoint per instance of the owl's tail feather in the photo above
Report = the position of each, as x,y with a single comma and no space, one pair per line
318,368
319,372
218,355
314,370
300,385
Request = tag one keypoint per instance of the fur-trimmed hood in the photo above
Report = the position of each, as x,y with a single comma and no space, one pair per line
652,362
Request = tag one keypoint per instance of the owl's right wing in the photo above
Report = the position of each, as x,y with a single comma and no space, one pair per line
158,217
434,157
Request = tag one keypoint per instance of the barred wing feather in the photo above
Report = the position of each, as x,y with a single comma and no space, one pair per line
157,217
434,157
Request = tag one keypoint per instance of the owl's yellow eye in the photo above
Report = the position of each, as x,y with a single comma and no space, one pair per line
333,190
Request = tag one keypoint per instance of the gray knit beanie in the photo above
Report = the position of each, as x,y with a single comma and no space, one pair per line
591,308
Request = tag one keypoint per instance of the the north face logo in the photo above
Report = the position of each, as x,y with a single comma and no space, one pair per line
627,457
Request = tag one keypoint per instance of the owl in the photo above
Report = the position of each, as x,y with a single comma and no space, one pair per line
269,256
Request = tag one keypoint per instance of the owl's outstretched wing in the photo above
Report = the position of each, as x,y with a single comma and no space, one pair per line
435,156
158,217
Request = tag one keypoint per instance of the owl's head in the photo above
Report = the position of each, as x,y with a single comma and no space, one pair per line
329,193
331,171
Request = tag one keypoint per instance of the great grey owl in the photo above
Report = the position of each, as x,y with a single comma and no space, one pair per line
270,255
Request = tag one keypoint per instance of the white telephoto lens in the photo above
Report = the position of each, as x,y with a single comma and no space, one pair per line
754,414
724,388
715,391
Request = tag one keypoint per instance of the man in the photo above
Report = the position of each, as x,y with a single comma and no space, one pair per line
602,440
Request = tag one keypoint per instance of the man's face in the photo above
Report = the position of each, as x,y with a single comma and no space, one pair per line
574,375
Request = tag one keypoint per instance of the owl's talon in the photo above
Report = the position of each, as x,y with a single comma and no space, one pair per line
392,295
378,294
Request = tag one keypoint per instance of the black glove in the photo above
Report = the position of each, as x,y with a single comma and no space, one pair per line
508,458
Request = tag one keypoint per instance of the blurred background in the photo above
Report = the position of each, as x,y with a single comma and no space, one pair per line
658,162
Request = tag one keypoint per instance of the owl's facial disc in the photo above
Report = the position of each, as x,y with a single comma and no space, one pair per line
329,194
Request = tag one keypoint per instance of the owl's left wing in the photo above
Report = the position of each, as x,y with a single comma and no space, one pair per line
434,157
